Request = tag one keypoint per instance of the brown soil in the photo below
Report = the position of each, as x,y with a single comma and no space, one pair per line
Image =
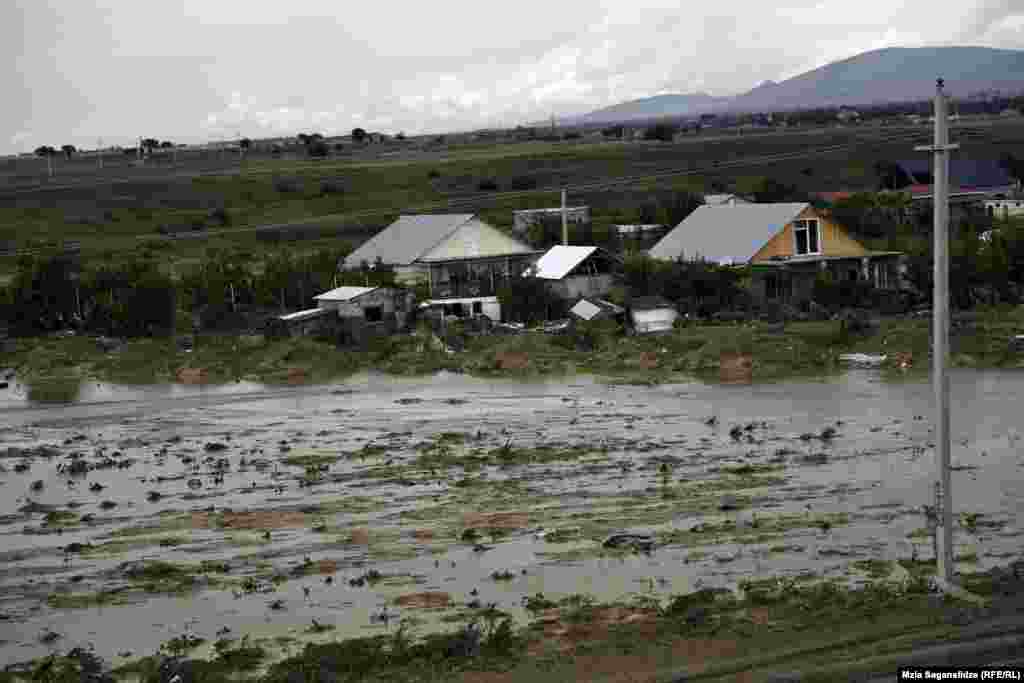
648,360
359,537
566,636
511,360
296,375
326,566
423,534
692,655
497,520
193,375
427,600
256,519
736,368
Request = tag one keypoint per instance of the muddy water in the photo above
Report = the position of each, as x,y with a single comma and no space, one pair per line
382,512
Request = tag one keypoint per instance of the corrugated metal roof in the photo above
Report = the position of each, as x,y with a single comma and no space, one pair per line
303,315
343,293
725,234
560,260
407,239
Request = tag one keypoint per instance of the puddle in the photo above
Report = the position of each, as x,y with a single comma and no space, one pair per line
275,508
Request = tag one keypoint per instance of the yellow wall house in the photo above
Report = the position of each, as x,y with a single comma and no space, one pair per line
786,245
462,260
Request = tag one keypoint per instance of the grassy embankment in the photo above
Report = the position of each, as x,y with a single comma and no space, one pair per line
804,349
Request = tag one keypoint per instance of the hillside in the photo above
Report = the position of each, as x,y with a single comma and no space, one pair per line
879,76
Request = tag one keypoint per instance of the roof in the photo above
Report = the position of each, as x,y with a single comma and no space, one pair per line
588,309
560,260
407,239
963,173
343,293
650,303
727,233
303,315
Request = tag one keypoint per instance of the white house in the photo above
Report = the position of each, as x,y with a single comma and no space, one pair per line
461,259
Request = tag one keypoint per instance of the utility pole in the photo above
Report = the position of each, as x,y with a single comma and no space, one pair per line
49,164
940,335
565,221
99,152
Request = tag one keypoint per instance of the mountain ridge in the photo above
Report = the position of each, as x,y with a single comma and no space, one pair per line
885,75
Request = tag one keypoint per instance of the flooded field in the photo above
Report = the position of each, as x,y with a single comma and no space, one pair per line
134,516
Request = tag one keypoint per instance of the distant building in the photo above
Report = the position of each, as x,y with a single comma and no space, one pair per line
1004,208
524,218
725,200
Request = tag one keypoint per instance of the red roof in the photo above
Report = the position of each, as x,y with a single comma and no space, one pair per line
834,196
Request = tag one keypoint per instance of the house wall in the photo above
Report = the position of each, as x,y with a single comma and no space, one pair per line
577,286
476,239
834,240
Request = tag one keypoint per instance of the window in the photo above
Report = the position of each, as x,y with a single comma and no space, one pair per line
478,308
373,314
807,238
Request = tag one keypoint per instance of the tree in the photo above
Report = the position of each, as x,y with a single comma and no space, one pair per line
166,144
317,149
660,131
616,131
45,151
400,136
69,150
245,143
358,134
150,144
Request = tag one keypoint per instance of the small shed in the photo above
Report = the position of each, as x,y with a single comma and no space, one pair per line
298,324
362,312
649,314
574,272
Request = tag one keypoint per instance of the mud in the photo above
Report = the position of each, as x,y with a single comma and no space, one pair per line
333,505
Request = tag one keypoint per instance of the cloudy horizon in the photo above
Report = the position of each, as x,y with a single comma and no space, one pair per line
200,70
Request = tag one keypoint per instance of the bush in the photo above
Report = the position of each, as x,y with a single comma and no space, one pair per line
220,216
288,185
487,185
331,187
433,173
521,182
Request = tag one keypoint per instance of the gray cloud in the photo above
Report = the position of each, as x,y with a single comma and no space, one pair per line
201,69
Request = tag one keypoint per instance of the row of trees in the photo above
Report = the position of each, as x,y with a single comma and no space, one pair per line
136,295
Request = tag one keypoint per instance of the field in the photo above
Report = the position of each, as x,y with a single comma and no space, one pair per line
356,193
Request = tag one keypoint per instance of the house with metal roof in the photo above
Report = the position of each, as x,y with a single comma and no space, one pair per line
574,271
462,260
785,244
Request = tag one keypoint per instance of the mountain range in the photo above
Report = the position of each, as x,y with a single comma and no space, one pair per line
875,77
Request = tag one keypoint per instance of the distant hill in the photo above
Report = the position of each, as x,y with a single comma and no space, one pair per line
876,77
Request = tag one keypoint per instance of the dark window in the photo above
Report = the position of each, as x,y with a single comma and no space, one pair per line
478,308
373,314
771,287
806,236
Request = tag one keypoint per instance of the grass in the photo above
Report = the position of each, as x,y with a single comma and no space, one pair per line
376,188
54,368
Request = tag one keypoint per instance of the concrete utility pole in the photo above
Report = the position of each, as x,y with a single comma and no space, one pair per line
99,152
940,335
565,221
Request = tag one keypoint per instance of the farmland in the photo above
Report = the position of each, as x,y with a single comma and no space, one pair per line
355,193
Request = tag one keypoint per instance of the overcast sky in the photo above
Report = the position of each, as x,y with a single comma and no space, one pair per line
195,70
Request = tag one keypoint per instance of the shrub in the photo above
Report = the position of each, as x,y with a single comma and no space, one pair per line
288,185
487,185
331,187
220,216
433,173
